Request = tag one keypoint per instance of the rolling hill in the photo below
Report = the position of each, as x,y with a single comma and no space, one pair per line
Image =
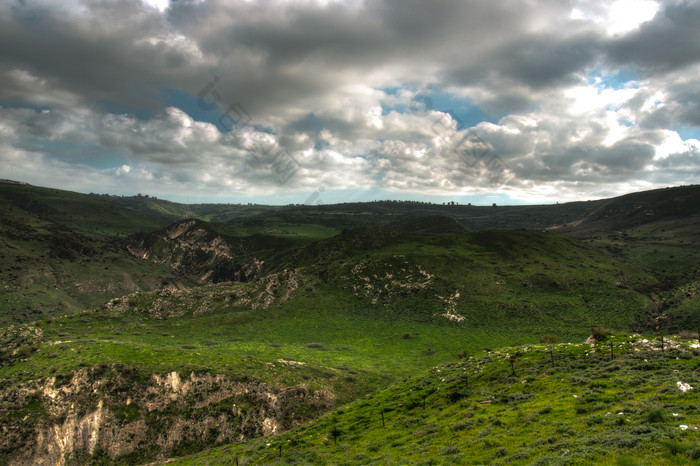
144,330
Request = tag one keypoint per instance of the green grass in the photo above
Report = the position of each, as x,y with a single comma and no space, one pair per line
578,410
359,306
354,312
87,214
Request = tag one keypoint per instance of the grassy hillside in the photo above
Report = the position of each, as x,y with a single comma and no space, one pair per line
59,254
659,231
171,212
299,312
85,214
363,309
534,404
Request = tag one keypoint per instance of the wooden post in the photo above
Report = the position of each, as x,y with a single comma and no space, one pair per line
551,355
383,425
512,366
280,451
236,461
611,350
662,343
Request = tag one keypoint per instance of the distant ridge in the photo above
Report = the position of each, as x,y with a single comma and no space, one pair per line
3,181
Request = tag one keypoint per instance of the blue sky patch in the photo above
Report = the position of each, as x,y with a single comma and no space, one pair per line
687,132
622,79
462,109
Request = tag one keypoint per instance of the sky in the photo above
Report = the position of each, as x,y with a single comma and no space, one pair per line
328,101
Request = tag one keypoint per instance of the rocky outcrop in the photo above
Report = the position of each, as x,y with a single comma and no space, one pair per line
196,249
271,289
117,412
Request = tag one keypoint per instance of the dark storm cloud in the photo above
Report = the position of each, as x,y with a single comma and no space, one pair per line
331,82
534,61
669,42
103,55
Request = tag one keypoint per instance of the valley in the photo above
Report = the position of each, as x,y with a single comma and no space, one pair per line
137,330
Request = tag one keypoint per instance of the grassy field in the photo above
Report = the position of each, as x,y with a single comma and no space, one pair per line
531,404
435,315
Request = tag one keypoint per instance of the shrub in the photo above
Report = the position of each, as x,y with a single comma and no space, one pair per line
317,346
655,415
335,433
449,450
674,447
462,354
549,339
694,453
406,336
599,333
460,426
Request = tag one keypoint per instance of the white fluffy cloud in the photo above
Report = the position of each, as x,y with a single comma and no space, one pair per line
539,101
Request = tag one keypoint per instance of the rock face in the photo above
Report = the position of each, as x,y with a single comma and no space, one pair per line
118,412
194,248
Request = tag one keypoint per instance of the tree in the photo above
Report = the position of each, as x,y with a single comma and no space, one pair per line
335,433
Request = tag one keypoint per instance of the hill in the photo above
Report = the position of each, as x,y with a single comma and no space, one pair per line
209,365
60,253
85,214
658,231
623,403
155,336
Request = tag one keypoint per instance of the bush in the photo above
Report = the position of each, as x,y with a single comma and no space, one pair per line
674,447
335,433
694,453
655,415
317,346
460,426
549,339
449,450
599,333
406,336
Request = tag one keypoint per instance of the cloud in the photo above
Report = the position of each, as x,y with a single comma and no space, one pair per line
578,97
